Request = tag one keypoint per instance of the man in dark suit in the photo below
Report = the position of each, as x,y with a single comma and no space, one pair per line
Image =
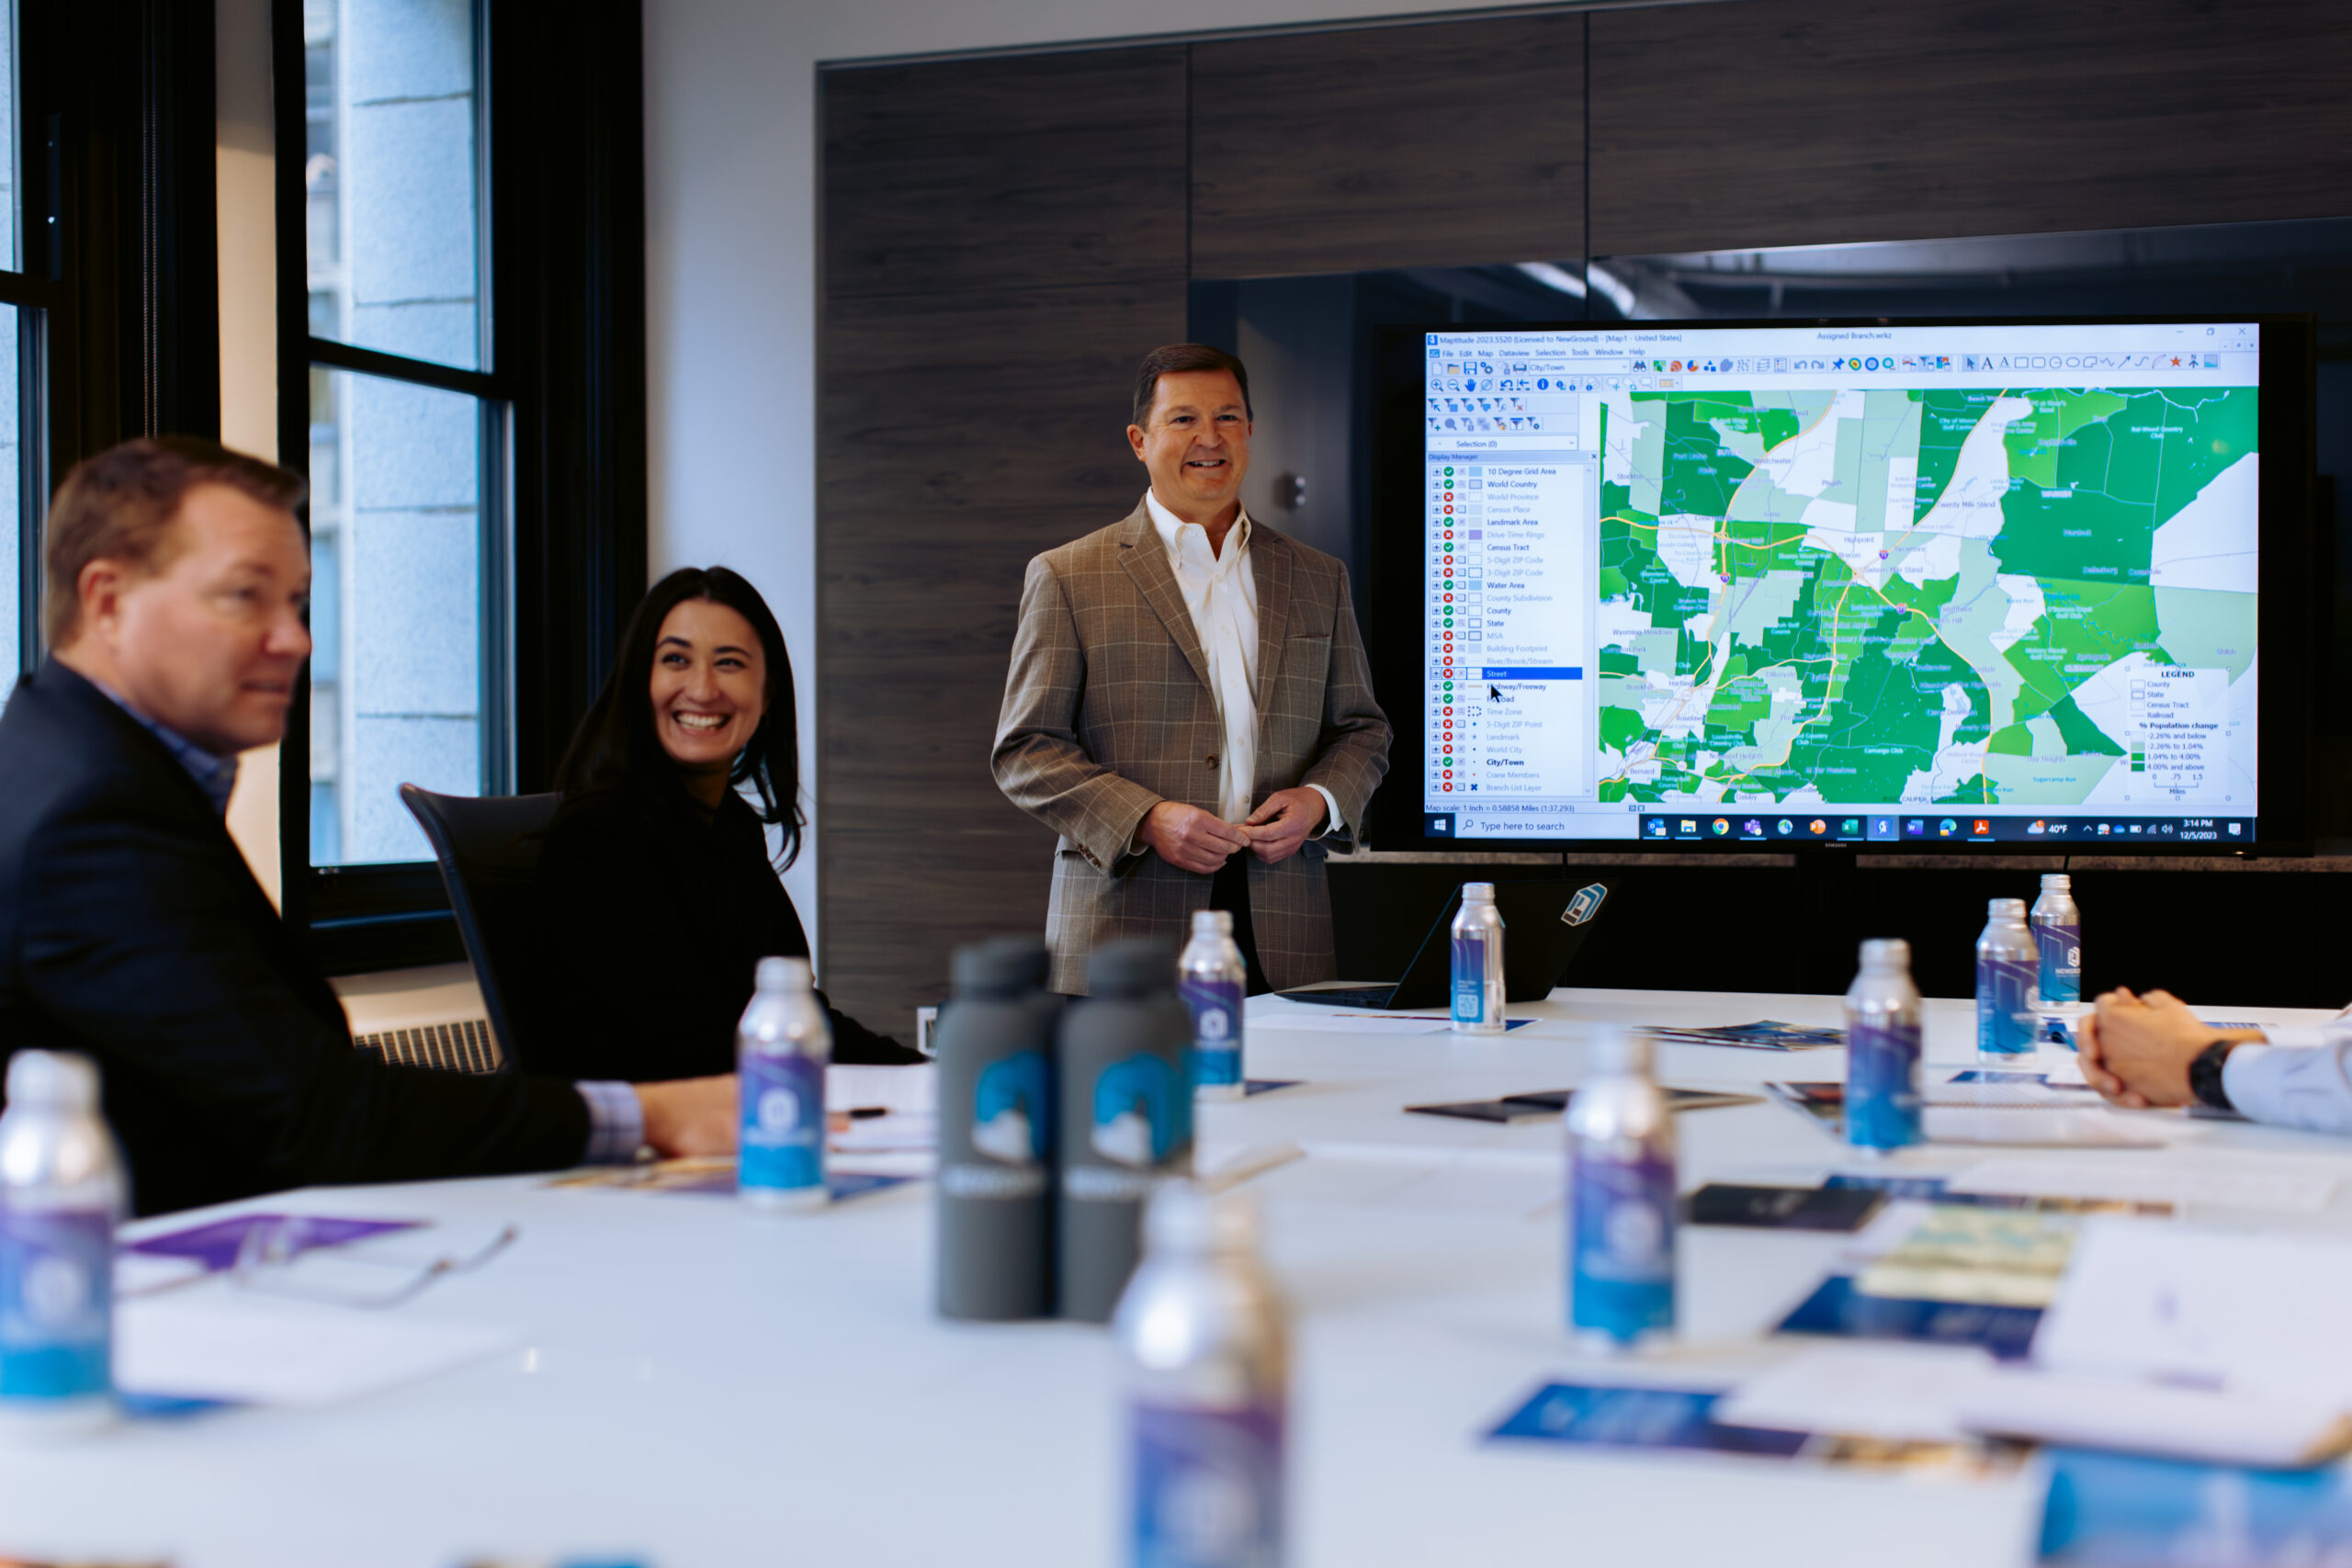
1189,706
131,930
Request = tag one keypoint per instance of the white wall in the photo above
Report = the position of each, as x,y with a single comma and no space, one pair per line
244,168
730,172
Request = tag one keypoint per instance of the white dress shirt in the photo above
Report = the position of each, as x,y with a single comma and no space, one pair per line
2300,1076
1221,592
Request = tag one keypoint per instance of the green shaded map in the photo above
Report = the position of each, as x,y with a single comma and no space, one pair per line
1913,595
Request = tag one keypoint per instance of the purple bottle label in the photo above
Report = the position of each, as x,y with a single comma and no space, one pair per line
1882,1104
1621,1243
1208,1486
1470,979
783,1137
1216,1030
56,1304
2061,962
2004,1026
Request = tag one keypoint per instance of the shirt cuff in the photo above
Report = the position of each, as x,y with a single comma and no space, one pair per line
615,1122
2242,1070
2301,1035
1332,822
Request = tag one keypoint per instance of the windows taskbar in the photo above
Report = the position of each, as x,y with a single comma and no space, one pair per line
1946,826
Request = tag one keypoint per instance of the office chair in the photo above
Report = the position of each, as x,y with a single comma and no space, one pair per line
489,851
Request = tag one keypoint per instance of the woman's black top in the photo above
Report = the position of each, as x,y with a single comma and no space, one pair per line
654,915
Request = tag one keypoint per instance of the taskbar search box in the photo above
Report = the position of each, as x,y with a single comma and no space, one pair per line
1945,824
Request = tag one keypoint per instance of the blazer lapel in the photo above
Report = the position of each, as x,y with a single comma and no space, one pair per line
1146,559
1270,565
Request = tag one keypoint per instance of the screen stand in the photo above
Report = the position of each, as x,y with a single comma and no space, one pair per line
1826,920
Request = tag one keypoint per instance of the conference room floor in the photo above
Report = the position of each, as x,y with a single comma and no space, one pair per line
687,1383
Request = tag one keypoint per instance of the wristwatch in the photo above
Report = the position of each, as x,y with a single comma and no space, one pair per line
2205,1074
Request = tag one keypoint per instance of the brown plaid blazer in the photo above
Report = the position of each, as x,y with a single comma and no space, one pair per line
1108,710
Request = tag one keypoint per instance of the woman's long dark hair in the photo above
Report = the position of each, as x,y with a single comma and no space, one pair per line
616,746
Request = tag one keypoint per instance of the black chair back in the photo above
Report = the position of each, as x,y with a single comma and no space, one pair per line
489,851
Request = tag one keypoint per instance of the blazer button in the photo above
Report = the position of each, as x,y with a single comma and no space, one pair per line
1211,760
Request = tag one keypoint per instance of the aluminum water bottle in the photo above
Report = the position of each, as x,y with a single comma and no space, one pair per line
2058,934
1883,1101
1478,961
996,1133
1621,1202
2007,962
1212,980
781,1050
61,1193
1126,1100
1203,1334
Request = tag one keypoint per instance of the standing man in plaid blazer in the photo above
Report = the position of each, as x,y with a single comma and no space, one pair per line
1189,706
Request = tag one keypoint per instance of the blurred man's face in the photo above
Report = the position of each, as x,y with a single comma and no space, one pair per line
210,645
1196,442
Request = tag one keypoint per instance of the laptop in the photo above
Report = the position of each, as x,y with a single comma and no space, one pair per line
1544,924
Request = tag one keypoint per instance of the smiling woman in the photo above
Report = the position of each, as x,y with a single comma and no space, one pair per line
656,897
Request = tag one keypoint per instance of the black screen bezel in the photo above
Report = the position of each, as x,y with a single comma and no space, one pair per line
2287,618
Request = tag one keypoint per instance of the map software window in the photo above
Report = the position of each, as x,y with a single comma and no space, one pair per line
1863,584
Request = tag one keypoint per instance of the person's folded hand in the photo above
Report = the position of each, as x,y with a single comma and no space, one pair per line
689,1116
1189,838
1282,822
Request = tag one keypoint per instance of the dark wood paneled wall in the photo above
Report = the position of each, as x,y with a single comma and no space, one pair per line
1426,146
1004,237
1003,240
1782,122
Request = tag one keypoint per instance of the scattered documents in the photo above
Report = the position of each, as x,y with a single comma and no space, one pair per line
1982,1087
2179,1181
1764,1034
2016,1127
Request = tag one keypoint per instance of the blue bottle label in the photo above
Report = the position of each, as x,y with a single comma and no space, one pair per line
2003,1028
1470,979
1143,1113
1012,1112
782,1143
2061,962
1621,1244
1882,1105
1216,1030
56,1304
1208,1486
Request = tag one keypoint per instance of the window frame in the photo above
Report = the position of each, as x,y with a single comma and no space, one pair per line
117,295
559,174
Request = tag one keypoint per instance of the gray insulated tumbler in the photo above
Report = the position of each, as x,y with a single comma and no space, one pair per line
996,1133
1126,1117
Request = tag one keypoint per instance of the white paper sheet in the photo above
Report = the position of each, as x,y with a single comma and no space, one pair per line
2151,1419
2181,1181
2247,1313
2033,1129
205,1344
914,1088
1899,1393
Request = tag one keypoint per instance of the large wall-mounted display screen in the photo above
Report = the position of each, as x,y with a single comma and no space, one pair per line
1897,584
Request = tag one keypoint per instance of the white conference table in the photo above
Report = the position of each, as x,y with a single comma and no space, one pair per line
698,1385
